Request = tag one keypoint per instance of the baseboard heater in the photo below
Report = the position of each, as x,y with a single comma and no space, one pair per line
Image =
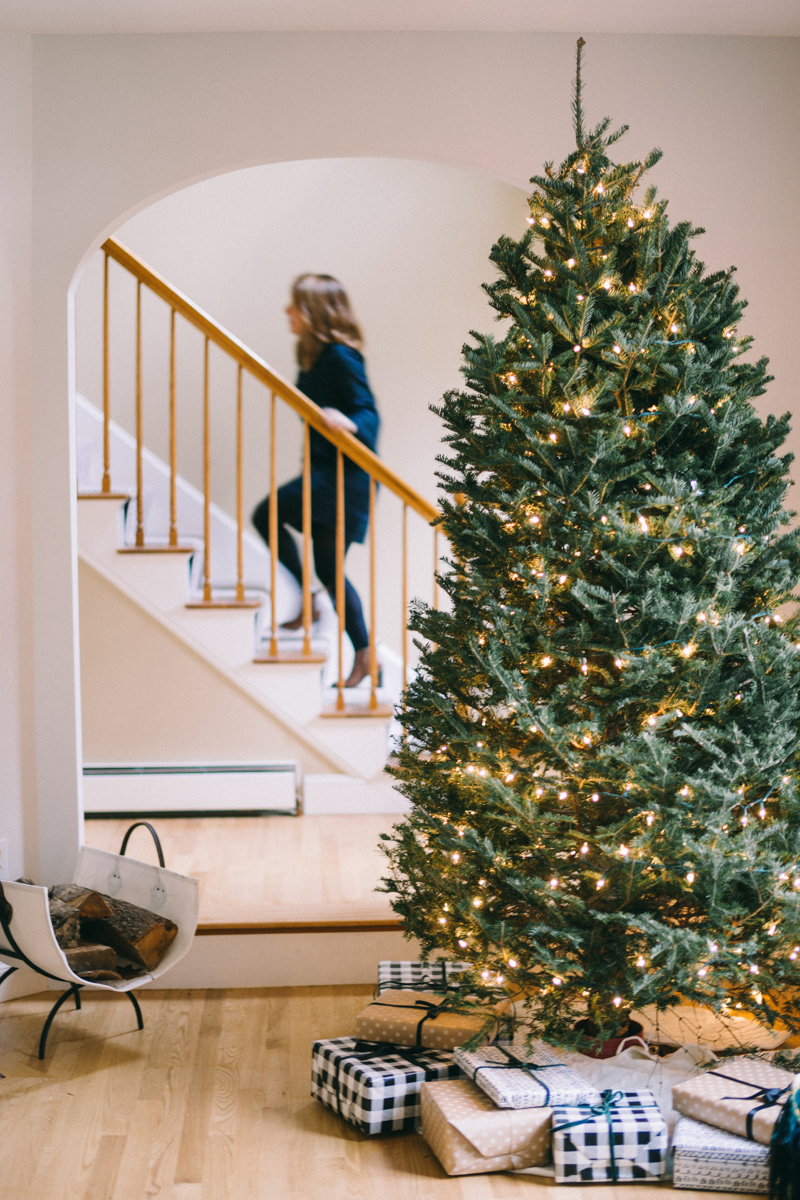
189,789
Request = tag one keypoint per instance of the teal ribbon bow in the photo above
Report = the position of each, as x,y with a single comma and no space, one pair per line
609,1104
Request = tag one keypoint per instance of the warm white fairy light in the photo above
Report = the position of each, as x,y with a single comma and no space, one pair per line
562,579
690,876
607,284
651,720
510,777
601,883
554,882
617,1001
540,791
619,663
456,857
631,287
604,521
594,797
546,660
553,437
641,962
557,980
548,274
684,791
585,670
626,429
629,222
617,348
577,349
477,902
442,920
570,262
512,962
585,848
650,818
624,851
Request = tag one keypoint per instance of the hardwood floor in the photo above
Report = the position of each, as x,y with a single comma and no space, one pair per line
268,868
209,1102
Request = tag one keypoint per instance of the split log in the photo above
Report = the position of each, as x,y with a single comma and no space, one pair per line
87,958
66,923
136,934
87,902
99,976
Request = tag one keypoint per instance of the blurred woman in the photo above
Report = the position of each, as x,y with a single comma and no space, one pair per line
332,374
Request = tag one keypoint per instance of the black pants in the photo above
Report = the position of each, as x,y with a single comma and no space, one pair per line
290,512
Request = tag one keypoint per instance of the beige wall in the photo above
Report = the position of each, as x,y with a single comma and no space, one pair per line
17,792
120,121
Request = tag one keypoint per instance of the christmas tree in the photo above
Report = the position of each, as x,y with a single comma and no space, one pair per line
601,742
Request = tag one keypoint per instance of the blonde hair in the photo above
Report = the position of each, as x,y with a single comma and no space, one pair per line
323,304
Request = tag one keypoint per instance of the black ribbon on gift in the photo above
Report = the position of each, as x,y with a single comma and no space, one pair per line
368,1052
769,1096
519,1064
431,1011
609,1104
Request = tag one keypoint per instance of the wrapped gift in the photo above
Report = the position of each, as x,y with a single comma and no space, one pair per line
417,1019
622,1137
515,1077
419,976
711,1160
373,1085
471,1136
742,1095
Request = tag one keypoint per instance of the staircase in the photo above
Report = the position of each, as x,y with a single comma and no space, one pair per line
154,549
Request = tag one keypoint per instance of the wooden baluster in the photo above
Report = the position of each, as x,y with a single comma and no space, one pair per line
139,497
273,530
373,657
106,485
239,492
405,595
173,453
340,572
307,604
206,482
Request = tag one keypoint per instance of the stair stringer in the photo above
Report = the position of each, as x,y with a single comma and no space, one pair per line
305,737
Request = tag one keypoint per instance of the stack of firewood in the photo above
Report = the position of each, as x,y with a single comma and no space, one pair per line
107,939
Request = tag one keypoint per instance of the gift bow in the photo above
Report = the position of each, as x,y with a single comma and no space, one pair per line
609,1104
770,1095
519,1064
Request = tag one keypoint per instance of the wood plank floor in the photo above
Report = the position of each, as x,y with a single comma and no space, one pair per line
210,1102
268,868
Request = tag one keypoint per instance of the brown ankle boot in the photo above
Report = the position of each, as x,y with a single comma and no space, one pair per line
360,668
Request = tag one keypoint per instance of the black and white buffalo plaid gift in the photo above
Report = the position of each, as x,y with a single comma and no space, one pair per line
374,1085
622,1137
418,976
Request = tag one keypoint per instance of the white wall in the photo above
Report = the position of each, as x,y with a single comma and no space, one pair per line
120,121
411,242
16,767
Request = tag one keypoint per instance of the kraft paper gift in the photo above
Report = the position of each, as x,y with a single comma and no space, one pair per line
517,1077
742,1095
471,1136
711,1160
416,1019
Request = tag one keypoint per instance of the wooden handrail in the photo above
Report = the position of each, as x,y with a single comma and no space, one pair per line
355,450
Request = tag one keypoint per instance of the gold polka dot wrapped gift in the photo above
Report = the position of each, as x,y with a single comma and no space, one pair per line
471,1136
743,1095
409,1018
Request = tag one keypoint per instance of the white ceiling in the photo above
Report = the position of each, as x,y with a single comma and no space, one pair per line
772,18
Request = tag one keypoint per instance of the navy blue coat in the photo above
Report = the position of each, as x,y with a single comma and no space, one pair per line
338,379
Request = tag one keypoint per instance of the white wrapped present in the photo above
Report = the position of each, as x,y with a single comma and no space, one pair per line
373,1085
623,1137
418,976
516,1077
710,1160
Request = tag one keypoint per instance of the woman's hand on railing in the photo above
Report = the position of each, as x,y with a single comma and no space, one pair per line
337,420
